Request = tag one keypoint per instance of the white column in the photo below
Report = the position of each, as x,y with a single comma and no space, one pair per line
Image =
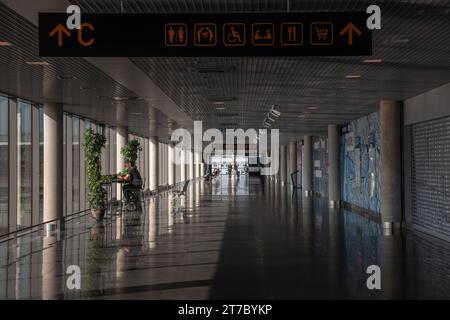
183,165
198,165
53,164
191,164
308,166
164,163
171,165
52,265
154,165
121,141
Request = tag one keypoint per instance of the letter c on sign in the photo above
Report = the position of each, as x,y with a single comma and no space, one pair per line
91,41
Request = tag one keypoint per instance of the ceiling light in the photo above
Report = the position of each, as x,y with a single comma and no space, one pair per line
120,98
275,113
306,112
313,108
372,61
218,103
220,108
37,63
301,116
66,78
352,76
5,44
400,40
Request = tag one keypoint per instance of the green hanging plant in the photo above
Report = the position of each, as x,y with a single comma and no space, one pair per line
94,142
130,150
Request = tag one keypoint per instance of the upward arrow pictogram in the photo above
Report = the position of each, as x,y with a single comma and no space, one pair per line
350,28
60,29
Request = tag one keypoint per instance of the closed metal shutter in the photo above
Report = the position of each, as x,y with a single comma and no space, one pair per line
431,176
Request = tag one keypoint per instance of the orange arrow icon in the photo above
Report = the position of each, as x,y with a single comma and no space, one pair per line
350,28
60,29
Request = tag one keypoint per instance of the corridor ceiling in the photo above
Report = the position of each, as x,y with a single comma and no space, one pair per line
310,92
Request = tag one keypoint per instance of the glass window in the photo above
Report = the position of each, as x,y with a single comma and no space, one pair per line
112,152
4,164
87,125
75,164
140,161
105,153
41,165
24,165
65,164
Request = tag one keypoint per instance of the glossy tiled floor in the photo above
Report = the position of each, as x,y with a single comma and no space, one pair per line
226,239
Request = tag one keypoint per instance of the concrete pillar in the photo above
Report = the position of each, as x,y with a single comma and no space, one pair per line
198,164
393,262
171,165
307,166
164,163
183,165
391,191
292,160
53,165
203,168
154,163
334,182
191,164
52,265
282,165
121,141
299,162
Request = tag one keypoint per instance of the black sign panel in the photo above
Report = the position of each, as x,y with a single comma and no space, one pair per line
152,35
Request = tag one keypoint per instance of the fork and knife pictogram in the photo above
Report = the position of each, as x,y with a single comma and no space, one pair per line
292,33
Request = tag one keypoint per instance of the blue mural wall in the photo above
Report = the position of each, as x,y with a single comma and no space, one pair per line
320,165
362,248
358,186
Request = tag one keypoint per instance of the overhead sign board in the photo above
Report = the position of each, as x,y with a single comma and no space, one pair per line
153,35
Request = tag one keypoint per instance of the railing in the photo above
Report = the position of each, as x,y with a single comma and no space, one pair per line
27,230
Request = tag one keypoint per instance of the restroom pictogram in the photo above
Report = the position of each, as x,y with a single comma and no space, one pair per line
176,35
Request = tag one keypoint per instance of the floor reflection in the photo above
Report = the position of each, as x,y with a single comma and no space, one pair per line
226,239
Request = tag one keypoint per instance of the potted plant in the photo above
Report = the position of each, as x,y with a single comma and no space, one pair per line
98,259
94,142
130,151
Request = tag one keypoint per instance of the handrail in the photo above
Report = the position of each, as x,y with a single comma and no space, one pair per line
26,230
23,231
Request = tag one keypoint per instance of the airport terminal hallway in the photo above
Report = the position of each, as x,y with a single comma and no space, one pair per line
229,239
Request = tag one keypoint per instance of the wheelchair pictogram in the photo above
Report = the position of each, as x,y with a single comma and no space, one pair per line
234,34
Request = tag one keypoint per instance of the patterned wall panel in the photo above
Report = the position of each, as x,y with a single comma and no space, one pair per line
430,190
358,187
320,165
432,266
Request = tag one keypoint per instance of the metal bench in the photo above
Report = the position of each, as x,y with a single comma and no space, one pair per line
181,192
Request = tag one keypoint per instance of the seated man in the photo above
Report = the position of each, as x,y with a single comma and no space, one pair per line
133,179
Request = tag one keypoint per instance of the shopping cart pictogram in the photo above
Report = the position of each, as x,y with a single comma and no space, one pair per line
322,34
